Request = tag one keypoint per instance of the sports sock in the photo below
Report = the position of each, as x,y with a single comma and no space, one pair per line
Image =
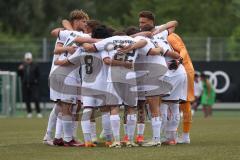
140,129
131,125
156,127
115,125
67,128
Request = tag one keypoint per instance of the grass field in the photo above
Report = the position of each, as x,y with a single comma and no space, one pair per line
217,138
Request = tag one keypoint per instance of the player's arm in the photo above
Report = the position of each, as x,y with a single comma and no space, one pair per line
82,40
59,49
144,33
89,47
155,51
67,25
178,45
172,54
139,44
55,32
112,62
62,62
170,26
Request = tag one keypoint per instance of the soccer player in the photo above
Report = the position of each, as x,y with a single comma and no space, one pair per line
70,77
78,23
178,45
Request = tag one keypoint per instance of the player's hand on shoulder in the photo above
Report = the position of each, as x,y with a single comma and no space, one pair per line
71,49
128,64
125,49
173,64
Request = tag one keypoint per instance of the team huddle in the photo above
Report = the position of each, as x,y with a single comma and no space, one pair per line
98,68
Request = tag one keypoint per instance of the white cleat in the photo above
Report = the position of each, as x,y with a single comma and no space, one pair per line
152,144
115,145
181,140
131,144
48,140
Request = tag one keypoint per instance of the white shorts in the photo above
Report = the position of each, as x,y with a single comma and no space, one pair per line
94,101
179,91
121,93
65,89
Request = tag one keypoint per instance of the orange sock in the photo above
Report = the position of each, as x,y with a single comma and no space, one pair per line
187,116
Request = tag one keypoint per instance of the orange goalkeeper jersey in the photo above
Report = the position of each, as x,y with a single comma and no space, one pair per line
178,45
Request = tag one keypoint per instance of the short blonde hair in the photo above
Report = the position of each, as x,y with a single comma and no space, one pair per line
78,14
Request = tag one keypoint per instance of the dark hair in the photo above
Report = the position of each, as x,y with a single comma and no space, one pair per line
147,14
132,30
101,32
119,33
147,27
93,23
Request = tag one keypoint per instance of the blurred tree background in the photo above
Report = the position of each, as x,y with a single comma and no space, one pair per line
29,19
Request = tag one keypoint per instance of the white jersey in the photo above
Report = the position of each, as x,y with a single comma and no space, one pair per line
143,56
161,40
94,71
198,88
118,73
57,56
68,37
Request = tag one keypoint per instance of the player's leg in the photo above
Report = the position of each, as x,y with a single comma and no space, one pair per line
154,102
106,125
140,121
131,125
88,105
187,121
164,114
93,127
115,125
125,138
172,123
75,112
51,123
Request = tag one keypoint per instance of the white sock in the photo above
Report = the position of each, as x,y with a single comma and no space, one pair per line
186,136
156,127
52,121
164,110
67,128
93,131
140,129
59,128
106,125
131,125
86,124
75,127
125,129
75,123
115,124
173,121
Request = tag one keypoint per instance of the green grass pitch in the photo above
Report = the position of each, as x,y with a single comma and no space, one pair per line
217,138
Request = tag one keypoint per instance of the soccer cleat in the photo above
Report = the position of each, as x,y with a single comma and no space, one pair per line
115,145
94,140
152,144
139,139
48,140
79,142
125,139
108,143
131,144
90,144
181,140
72,143
58,142
170,142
